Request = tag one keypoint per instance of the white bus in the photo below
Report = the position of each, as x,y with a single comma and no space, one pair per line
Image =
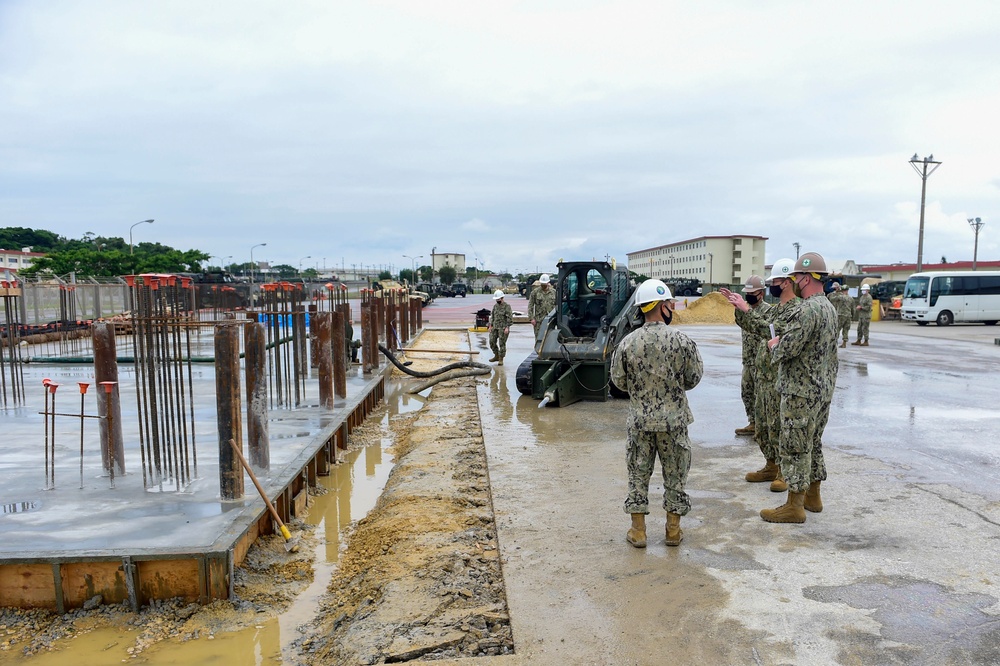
946,297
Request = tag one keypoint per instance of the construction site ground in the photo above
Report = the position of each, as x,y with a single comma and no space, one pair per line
501,530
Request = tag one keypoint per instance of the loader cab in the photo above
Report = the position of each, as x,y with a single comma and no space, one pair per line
586,292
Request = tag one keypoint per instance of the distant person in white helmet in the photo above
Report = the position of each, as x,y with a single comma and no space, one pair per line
540,303
805,352
656,364
864,309
499,327
767,405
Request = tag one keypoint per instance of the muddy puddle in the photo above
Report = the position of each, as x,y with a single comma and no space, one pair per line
352,489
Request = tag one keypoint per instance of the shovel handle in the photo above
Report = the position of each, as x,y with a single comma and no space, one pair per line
253,477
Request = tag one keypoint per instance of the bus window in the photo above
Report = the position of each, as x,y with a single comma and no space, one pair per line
916,287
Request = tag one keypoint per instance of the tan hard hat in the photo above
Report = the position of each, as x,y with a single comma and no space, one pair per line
753,283
811,262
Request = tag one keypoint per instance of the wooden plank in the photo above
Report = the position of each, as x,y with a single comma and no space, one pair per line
439,351
84,580
164,579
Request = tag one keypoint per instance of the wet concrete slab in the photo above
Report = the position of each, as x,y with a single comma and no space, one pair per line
900,567
92,518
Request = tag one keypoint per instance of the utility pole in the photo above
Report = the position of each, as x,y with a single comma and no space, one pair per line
796,246
924,175
976,224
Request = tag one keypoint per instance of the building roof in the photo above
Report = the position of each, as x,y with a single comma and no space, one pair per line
699,238
950,266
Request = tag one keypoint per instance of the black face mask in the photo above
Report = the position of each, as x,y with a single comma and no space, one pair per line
752,299
775,290
668,317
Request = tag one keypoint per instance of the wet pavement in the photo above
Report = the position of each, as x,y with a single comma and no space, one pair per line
900,567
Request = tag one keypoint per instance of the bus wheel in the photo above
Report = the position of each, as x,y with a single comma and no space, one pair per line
945,318
991,322
922,323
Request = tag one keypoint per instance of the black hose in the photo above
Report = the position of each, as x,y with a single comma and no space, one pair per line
433,373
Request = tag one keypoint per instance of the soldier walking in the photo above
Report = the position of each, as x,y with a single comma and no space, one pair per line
864,316
656,364
499,327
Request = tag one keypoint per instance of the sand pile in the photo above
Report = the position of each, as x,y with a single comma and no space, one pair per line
711,308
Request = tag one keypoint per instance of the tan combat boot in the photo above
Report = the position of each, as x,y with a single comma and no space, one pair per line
779,485
674,533
864,344
843,344
637,534
789,512
500,361
856,342
769,472
492,359
748,429
813,501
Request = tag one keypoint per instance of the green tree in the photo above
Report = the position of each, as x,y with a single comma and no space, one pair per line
447,274
426,273
284,271
384,275
39,240
406,275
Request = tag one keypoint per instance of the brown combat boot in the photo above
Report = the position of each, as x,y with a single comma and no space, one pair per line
864,344
637,534
494,358
674,533
779,485
500,361
856,343
843,344
748,429
813,501
769,472
789,512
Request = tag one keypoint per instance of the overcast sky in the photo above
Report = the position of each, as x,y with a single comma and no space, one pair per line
518,132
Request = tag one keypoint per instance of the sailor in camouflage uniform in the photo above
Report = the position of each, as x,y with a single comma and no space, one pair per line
864,316
806,355
540,303
756,322
844,305
754,288
499,327
656,364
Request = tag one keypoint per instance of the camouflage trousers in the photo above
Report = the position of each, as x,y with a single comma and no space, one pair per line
767,424
800,449
863,326
498,342
747,391
674,451
538,327
844,323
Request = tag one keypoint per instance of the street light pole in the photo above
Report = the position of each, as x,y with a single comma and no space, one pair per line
924,175
797,246
413,266
976,224
308,256
130,234
671,258
711,277
253,266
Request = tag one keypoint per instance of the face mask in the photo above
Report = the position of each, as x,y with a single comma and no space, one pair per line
752,299
796,288
775,290
668,315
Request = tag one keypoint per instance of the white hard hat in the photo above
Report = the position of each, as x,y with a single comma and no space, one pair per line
650,292
498,294
865,287
782,268
544,279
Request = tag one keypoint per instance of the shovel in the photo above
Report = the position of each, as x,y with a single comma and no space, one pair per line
291,545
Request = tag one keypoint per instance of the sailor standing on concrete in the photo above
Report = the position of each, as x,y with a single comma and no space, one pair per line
499,327
540,303
864,316
754,290
806,355
656,364
844,305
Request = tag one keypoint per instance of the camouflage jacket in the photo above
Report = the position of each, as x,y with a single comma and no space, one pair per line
502,316
865,302
842,303
751,333
656,364
806,355
541,302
